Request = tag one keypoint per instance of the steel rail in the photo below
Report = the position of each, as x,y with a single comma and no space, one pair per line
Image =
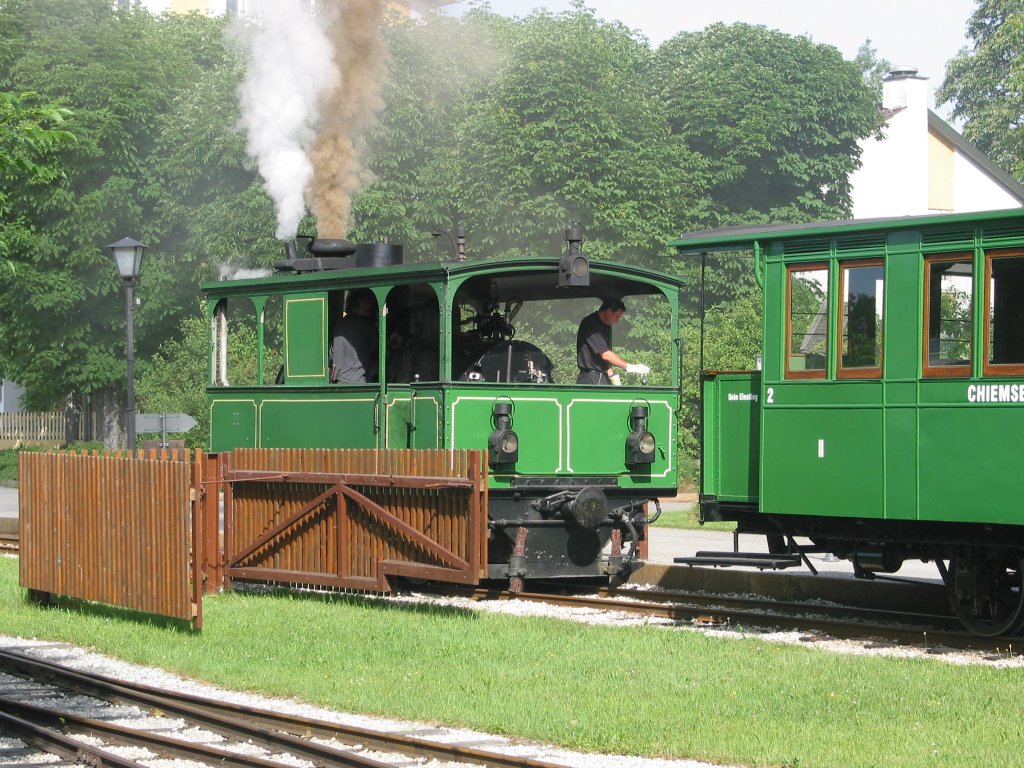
713,610
58,744
261,723
166,746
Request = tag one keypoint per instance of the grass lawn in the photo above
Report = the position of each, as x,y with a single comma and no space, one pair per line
687,519
638,690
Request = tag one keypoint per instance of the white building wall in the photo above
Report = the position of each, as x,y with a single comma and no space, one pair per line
974,190
893,177
914,170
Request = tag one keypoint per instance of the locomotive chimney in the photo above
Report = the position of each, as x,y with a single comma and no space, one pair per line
460,242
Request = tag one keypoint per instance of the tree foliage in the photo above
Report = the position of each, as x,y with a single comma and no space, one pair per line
985,83
30,134
120,73
513,127
776,117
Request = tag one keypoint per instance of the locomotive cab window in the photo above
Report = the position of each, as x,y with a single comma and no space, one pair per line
235,343
861,292
948,315
807,321
1004,313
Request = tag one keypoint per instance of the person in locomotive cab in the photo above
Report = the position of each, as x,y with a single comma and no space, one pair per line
594,354
354,345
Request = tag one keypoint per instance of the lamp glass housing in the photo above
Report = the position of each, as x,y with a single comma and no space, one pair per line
128,255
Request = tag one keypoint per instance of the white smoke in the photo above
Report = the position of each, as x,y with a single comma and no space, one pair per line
231,272
290,69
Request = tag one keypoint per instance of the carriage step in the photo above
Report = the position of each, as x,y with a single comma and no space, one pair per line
760,560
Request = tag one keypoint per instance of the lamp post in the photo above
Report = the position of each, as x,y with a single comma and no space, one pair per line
128,255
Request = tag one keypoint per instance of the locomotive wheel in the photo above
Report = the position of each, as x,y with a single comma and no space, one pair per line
995,588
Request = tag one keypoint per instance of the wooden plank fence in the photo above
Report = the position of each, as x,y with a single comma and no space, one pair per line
112,529
351,519
143,531
45,428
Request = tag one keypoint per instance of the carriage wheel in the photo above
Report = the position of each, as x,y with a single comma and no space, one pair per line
995,587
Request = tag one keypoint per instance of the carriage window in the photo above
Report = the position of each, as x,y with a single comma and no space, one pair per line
949,306
1004,314
807,322
860,321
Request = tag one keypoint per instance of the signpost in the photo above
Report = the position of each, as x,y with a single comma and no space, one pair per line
163,423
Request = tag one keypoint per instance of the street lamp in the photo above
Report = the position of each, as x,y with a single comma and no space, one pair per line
128,255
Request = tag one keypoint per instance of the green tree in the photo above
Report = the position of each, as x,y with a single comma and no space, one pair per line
30,134
776,117
120,73
569,131
985,83
873,68
557,126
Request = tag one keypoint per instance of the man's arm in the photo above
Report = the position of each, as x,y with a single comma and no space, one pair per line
611,358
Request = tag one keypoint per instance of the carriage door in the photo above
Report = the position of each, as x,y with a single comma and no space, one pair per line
822,421
411,405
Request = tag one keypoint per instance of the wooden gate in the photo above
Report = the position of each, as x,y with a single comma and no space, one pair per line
352,518
112,529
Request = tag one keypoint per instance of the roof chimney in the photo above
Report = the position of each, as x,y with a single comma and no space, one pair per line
901,72
903,88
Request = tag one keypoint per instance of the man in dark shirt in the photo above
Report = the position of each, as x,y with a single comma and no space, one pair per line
354,347
594,355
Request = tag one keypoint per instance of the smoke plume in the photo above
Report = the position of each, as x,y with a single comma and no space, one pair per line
350,108
312,86
289,70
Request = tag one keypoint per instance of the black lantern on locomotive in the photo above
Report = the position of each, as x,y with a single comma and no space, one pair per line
640,443
503,443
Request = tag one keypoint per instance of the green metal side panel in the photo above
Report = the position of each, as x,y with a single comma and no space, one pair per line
305,325
534,415
598,426
232,423
732,431
413,417
821,460
564,433
970,460
900,460
336,420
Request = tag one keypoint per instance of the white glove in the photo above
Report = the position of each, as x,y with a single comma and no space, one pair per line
614,379
640,368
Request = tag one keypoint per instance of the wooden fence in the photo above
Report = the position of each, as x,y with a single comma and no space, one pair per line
145,531
353,518
44,428
112,529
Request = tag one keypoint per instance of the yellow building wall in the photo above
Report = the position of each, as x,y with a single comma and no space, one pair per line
941,158
188,6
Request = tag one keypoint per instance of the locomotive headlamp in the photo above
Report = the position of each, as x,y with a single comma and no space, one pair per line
574,267
640,443
503,443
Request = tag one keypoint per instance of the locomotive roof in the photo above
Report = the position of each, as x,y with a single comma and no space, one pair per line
523,277
742,237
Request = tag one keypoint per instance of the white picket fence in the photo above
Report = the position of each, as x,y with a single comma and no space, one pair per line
44,428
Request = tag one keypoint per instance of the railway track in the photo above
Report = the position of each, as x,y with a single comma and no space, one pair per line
52,710
897,626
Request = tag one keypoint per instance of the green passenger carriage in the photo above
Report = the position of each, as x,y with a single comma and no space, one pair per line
886,423
455,370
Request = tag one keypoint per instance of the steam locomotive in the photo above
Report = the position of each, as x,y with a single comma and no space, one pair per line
454,360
